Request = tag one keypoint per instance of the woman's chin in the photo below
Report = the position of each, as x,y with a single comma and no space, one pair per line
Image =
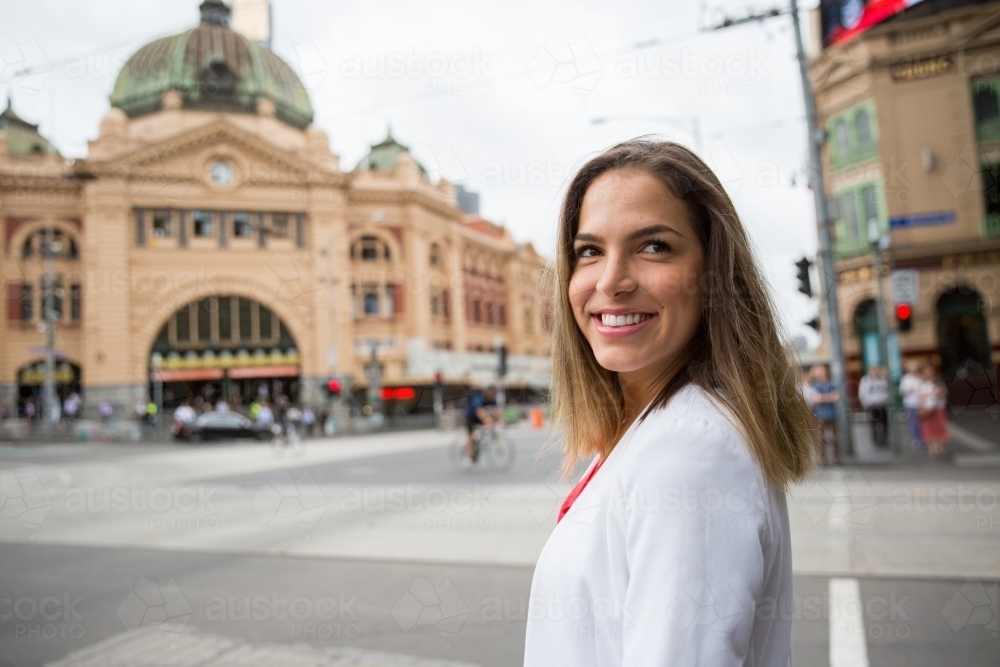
616,362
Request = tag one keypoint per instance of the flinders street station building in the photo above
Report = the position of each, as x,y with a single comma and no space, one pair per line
210,242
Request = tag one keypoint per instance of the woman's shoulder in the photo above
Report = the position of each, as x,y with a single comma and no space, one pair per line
694,429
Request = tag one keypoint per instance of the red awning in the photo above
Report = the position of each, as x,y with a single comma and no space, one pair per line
263,372
187,375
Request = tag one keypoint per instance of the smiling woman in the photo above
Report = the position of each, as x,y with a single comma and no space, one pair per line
670,373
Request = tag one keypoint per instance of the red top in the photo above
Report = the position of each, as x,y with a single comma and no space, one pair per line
580,486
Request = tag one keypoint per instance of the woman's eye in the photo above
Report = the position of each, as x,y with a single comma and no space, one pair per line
654,247
586,251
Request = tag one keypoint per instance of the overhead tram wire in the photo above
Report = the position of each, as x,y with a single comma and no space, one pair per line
526,72
54,64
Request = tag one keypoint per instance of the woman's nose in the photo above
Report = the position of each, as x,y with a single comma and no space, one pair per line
616,278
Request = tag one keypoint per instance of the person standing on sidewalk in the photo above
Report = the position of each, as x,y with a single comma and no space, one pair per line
824,407
873,392
669,373
909,389
933,412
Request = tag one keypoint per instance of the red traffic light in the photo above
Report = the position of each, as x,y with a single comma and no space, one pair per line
903,311
333,387
399,394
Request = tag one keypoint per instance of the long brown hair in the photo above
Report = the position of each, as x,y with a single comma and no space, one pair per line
736,356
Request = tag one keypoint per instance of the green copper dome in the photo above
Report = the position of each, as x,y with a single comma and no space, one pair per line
211,67
22,136
383,156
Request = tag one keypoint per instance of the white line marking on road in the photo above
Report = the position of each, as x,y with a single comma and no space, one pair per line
971,440
847,625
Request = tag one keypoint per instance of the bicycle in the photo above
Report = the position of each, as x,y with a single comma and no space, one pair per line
490,447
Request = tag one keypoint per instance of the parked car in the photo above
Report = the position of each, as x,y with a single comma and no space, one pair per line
222,426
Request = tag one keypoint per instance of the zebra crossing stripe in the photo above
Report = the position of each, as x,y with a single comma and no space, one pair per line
847,625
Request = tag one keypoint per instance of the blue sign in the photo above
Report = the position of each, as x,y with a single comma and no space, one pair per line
922,219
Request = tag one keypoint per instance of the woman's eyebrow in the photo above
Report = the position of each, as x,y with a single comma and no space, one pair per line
653,229
639,233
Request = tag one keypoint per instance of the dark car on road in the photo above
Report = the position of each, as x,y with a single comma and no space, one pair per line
222,426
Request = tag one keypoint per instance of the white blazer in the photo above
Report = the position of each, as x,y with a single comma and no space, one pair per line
676,554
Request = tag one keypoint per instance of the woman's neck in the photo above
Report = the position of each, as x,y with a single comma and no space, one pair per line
640,387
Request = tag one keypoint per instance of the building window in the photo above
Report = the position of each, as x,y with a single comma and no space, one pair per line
870,199
20,304
528,323
75,302
863,128
369,300
488,307
502,315
476,314
162,226
435,255
856,207
202,223
849,208
279,225
182,322
842,136
991,196
242,227
986,107
63,245
369,249
853,136
436,305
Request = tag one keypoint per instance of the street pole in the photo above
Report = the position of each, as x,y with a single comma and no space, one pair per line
877,239
838,369
51,410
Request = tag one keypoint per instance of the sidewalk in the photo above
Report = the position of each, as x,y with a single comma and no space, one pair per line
974,441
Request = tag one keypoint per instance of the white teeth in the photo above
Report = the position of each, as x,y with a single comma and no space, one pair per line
623,320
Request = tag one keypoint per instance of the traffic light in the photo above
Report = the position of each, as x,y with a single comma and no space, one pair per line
904,316
805,284
333,388
502,366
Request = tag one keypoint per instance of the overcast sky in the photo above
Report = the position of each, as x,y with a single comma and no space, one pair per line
497,96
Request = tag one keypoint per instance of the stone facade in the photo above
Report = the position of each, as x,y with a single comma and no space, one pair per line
199,244
913,134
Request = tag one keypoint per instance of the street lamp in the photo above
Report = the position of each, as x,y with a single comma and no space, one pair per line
690,124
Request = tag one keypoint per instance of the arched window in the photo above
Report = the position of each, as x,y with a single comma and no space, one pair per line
842,137
370,249
863,129
63,246
435,258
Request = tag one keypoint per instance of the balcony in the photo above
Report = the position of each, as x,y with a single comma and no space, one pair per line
856,155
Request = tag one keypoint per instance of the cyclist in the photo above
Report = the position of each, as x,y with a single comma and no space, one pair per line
481,408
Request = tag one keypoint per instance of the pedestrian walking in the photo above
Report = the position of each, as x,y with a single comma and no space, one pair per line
308,421
873,393
824,407
933,412
105,410
909,389
666,361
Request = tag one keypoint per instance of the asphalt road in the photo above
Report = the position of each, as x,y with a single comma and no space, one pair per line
55,599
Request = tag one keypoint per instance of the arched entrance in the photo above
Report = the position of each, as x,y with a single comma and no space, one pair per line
31,378
963,341
223,347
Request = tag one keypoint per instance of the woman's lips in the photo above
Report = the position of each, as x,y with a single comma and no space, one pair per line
622,331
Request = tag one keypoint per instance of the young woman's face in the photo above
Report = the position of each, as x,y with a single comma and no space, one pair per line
636,287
